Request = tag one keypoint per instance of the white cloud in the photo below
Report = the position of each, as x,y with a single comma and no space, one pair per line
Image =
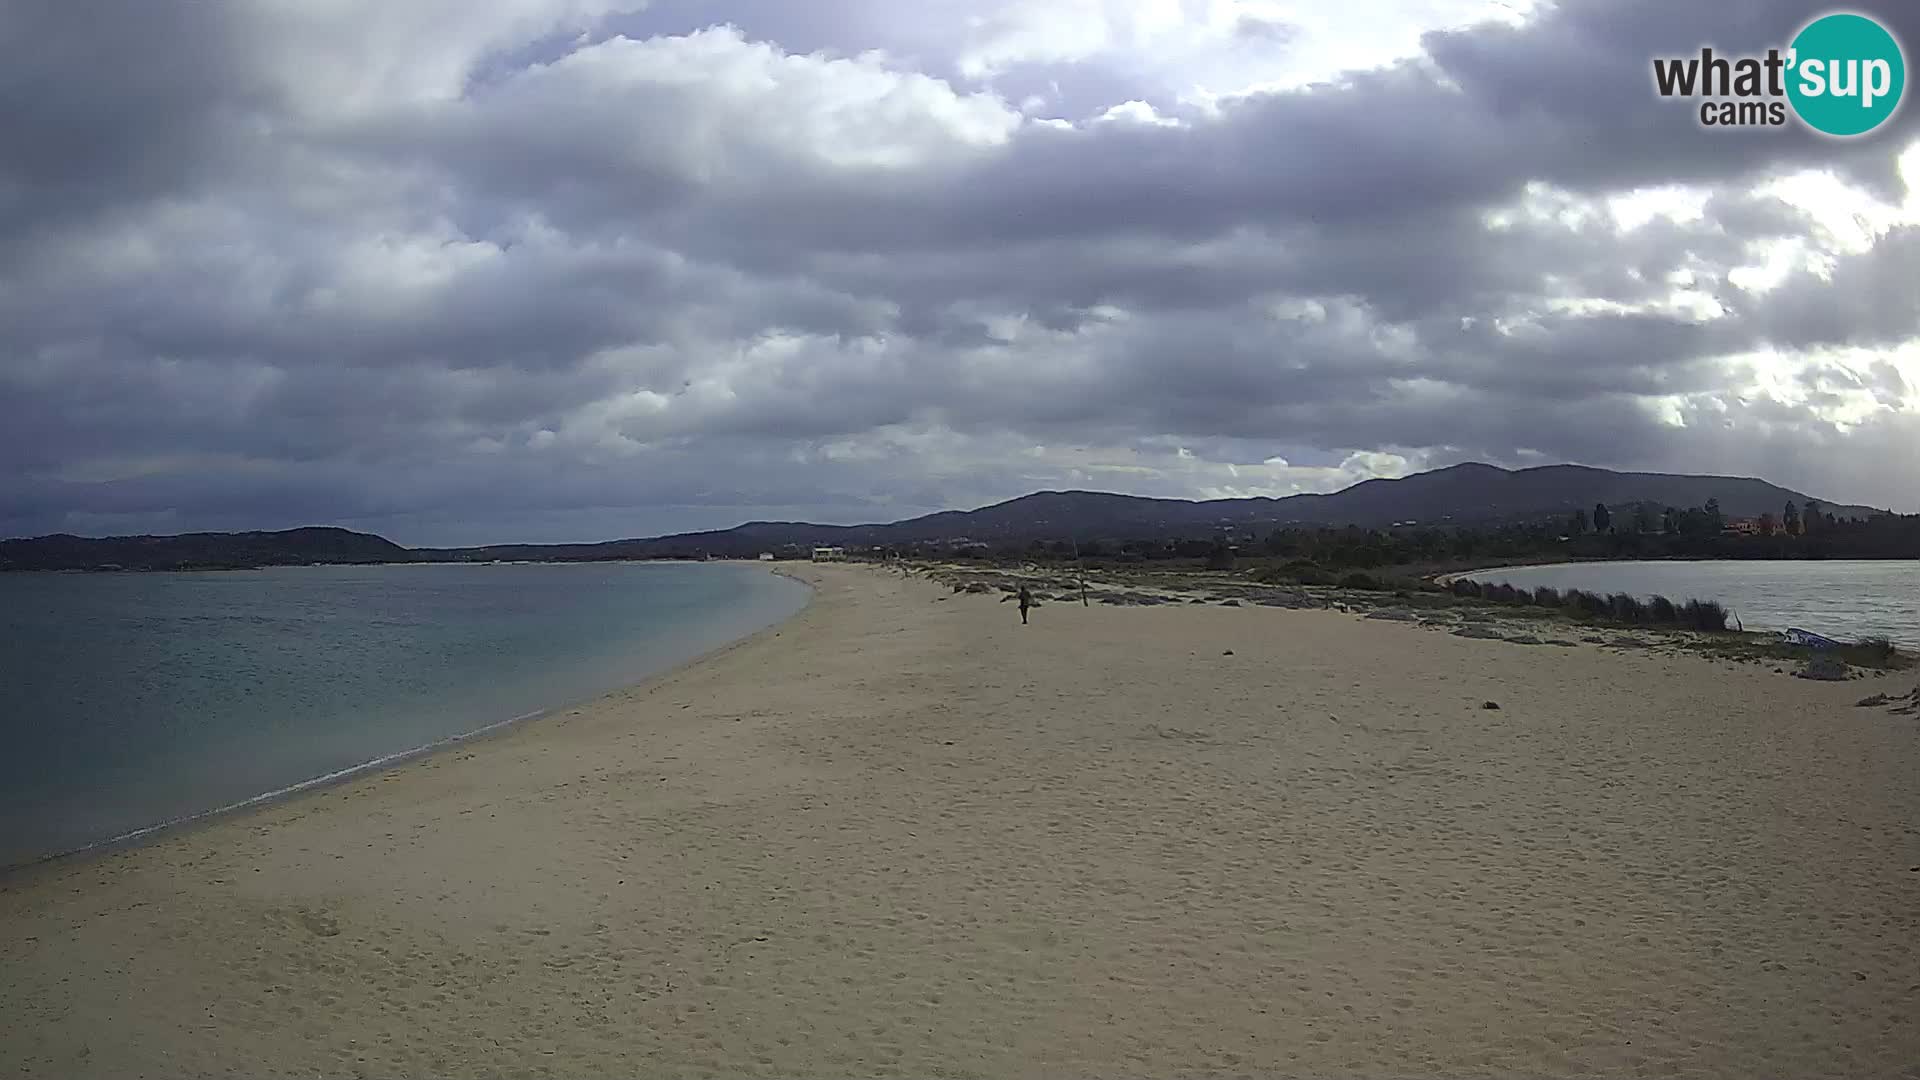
337,60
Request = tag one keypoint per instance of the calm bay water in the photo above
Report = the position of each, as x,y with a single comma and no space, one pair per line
128,700
1843,599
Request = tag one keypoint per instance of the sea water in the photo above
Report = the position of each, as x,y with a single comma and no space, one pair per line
132,700
1842,599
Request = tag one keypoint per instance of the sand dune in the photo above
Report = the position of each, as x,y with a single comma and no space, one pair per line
903,835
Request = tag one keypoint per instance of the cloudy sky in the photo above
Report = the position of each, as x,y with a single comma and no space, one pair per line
577,269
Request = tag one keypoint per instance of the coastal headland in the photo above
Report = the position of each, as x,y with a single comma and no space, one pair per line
902,834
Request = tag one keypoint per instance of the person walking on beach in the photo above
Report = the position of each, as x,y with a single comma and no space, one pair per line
1026,601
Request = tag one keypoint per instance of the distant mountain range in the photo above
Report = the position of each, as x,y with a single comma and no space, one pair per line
200,551
1471,494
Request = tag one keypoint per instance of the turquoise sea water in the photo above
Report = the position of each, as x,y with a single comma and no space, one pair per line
130,700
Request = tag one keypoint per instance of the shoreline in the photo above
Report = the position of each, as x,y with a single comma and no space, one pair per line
1450,576
146,834
1770,624
903,834
106,570
1447,576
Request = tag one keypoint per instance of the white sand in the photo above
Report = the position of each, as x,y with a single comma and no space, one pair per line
909,837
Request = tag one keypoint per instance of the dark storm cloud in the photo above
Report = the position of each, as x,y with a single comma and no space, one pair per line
110,105
434,265
1580,80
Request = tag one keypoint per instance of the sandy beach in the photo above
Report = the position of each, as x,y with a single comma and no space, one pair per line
903,835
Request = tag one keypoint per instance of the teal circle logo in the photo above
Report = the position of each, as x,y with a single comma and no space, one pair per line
1846,74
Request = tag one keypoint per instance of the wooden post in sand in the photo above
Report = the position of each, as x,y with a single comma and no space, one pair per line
1080,569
